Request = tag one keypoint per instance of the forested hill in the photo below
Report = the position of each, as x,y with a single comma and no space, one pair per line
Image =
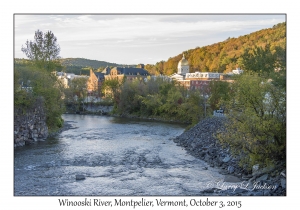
82,62
81,66
223,56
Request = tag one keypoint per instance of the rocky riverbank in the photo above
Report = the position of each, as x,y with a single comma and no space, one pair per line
200,141
30,124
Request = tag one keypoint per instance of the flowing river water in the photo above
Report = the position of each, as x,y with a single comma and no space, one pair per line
117,157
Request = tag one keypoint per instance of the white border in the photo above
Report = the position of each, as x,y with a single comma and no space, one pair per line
188,6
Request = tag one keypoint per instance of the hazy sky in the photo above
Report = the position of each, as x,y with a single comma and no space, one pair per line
133,39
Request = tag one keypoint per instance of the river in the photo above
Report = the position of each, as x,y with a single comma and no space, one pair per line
117,156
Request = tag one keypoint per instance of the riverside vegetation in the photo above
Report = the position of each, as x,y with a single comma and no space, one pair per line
33,79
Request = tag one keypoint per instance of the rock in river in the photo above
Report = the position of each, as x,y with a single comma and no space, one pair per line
80,177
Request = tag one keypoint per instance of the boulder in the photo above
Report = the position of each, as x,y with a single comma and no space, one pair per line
226,159
80,177
230,169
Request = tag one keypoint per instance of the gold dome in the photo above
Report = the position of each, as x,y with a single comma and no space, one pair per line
183,62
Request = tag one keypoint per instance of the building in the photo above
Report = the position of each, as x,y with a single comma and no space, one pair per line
193,81
106,71
100,77
183,66
237,71
92,83
66,78
203,76
201,80
61,77
182,69
129,72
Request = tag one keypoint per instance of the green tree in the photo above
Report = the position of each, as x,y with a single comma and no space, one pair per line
111,88
77,92
259,59
43,51
267,62
159,99
31,83
219,93
256,128
191,110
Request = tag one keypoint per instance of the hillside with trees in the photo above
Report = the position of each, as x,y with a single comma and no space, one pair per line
83,62
224,56
81,66
78,66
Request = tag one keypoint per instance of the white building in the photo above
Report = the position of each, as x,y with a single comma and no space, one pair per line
176,76
183,66
182,69
237,71
65,78
203,75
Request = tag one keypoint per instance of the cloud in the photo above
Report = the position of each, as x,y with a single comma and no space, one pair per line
133,31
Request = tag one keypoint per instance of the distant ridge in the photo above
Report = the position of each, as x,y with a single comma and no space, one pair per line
81,66
83,62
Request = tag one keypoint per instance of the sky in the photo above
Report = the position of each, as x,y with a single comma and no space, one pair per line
133,39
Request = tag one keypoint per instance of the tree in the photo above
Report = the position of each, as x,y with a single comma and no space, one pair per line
77,91
256,128
43,51
259,59
111,88
38,84
264,60
267,62
219,92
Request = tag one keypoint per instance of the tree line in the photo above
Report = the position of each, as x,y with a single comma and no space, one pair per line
156,98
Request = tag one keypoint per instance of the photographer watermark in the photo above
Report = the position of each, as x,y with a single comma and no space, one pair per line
246,185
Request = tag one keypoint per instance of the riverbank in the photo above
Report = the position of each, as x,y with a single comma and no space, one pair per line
93,109
150,118
108,111
200,141
66,126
